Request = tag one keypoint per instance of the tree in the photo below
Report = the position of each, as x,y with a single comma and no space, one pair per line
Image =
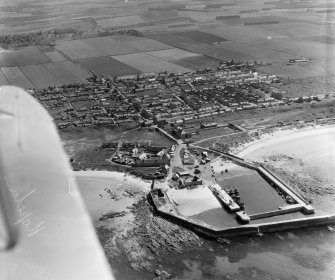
277,95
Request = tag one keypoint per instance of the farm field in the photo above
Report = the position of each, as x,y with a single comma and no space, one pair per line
120,21
147,63
201,37
197,62
265,20
322,39
157,16
172,54
24,56
3,80
76,49
262,54
302,70
297,29
63,75
147,45
243,34
106,66
297,47
69,66
55,56
39,76
200,16
196,47
15,77
109,45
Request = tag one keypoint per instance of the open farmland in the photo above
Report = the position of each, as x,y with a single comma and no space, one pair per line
147,63
120,21
199,16
157,16
243,34
147,45
197,62
196,47
261,54
76,49
75,70
39,76
24,56
201,37
15,77
62,73
323,39
297,48
297,29
265,20
3,80
106,66
172,54
55,56
302,70
110,45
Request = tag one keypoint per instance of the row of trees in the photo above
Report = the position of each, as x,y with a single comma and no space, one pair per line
51,36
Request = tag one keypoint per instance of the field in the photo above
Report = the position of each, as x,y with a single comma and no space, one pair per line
106,66
147,45
172,54
303,70
196,47
120,21
258,52
55,56
77,49
39,76
197,62
62,73
25,56
297,29
147,63
265,20
3,80
213,132
243,34
201,37
157,16
323,39
297,48
15,76
146,135
109,45
75,70
199,16
43,75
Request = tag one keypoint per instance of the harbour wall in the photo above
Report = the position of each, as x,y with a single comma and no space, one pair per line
251,229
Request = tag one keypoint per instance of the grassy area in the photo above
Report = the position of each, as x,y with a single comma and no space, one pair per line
222,143
213,132
147,135
309,86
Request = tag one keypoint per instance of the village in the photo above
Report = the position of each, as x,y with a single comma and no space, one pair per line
164,98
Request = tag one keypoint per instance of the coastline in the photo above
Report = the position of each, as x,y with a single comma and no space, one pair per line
279,136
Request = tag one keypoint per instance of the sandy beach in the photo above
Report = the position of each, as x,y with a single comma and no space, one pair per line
270,140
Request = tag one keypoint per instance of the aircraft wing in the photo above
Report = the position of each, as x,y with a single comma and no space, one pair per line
45,230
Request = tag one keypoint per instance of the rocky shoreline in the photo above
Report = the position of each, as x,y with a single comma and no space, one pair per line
304,179
148,238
